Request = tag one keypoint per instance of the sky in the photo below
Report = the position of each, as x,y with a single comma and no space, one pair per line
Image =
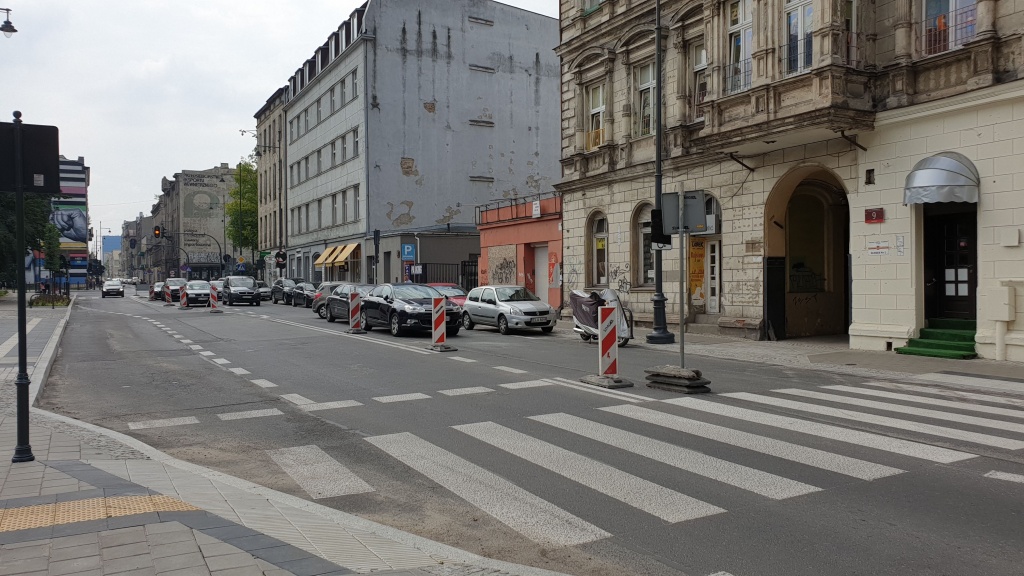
143,89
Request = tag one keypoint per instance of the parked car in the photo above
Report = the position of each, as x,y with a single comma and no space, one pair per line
281,289
172,288
264,289
156,291
112,288
320,297
337,302
453,291
507,308
239,290
197,293
303,294
402,307
218,285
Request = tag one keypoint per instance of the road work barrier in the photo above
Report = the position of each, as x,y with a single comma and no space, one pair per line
439,330
608,351
355,313
213,301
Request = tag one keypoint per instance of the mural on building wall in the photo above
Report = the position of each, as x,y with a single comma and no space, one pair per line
501,264
202,213
70,217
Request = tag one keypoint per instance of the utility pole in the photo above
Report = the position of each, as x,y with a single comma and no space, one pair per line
660,333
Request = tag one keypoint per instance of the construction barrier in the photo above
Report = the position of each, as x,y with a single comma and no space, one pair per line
182,299
355,317
213,301
440,330
608,326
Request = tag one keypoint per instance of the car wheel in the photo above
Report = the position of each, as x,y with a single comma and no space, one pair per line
364,321
467,322
103,295
453,330
396,328
503,325
274,299
330,315
321,311
547,329
257,302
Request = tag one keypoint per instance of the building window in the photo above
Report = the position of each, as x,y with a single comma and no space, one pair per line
307,168
344,147
320,213
948,24
319,161
699,60
318,112
305,117
341,91
642,251
741,39
645,79
797,52
344,205
595,127
850,37
355,142
305,209
353,91
334,153
355,204
599,250
334,209
291,130
334,99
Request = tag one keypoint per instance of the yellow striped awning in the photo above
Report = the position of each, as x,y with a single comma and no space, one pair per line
342,255
327,256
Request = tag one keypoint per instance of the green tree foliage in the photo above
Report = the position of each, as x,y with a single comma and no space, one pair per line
37,217
243,208
51,246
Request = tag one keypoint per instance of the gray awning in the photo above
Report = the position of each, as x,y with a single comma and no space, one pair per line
944,177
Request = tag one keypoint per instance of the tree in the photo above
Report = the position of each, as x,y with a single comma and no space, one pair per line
37,217
243,209
51,247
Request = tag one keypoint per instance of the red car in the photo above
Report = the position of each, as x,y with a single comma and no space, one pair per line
454,292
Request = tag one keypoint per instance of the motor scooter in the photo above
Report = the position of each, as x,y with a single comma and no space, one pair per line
585,309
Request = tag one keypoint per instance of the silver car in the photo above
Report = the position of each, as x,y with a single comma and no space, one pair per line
508,308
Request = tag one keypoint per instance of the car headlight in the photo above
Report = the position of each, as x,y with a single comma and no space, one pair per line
413,309
515,311
456,308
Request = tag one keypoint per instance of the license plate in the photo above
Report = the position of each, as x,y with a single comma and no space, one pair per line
538,320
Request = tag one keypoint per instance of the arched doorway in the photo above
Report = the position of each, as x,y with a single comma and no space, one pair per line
807,247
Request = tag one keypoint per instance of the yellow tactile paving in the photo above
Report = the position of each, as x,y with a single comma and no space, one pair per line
89,509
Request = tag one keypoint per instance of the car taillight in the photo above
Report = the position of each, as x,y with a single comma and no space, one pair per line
317,295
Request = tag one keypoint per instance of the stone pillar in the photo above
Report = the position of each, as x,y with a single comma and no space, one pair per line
580,113
985,19
904,30
609,100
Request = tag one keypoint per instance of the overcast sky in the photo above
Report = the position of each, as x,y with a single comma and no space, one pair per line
143,89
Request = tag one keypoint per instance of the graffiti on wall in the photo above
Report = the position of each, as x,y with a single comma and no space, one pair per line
501,264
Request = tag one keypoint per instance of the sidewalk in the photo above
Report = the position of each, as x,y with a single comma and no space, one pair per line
97,502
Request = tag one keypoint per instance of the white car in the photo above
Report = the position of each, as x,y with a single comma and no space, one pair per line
112,288
507,308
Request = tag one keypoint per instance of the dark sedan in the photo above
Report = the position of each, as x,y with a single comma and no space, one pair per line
303,294
281,290
337,302
402,307
197,293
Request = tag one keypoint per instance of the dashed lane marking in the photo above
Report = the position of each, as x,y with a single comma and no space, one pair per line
195,346
263,383
461,359
463,391
178,336
162,423
207,353
510,370
526,384
329,405
186,341
297,399
401,397
250,414
1005,476
599,391
221,361
239,371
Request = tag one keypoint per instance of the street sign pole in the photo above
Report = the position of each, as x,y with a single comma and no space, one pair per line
23,450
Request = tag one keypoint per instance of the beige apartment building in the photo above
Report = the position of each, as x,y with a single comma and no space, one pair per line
863,164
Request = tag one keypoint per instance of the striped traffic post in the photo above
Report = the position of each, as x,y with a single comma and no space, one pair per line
182,299
439,329
213,301
355,310
608,351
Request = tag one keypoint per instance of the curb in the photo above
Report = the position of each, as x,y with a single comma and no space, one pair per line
45,359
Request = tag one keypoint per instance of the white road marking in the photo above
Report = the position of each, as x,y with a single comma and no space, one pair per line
401,397
858,437
930,429
240,371
371,339
890,407
296,399
462,391
599,391
949,393
206,353
186,341
510,370
172,332
743,477
263,383
526,384
178,336
810,456
518,509
460,359
720,574
250,414
933,401
162,423
11,342
329,405
195,346
221,361
973,381
669,505
317,473
1005,476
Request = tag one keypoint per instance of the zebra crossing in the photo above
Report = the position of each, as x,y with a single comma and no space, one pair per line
467,468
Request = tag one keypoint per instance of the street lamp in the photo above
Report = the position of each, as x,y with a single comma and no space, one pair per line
659,333
8,29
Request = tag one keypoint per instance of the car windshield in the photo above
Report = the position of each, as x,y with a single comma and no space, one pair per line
515,294
450,290
198,286
113,283
287,283
363,289
217,283
175,282
415,291
261,284
244,282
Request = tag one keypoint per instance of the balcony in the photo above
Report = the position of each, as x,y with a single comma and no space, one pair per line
543,205
737,77
948,31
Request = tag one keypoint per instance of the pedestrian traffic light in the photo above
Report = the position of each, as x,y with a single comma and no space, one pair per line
157,231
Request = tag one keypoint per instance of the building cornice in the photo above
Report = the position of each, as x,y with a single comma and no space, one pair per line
990,95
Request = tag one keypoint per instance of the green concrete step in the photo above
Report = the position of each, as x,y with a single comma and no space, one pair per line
936,353
947,334
941,345
952,324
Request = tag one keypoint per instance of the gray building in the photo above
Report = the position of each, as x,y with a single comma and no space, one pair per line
408,117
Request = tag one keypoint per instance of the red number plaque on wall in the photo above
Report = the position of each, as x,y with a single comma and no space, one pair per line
874,215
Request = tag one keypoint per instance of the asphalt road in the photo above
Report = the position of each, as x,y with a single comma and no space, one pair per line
780,471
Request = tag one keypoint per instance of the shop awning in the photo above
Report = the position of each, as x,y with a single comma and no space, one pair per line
944,177
342,255
327,256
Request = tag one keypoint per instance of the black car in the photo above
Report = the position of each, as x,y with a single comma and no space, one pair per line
337,302
303,294
197,293
402,307
172,287
281,291
240,290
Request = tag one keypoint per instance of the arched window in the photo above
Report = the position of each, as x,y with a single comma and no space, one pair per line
643,255
598,238
713,212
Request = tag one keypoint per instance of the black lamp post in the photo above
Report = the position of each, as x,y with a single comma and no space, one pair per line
7,28
23,450
659,333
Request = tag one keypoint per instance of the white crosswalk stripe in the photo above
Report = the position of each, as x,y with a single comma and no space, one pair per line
810,456
317,473
973,381
1005,476
669,505
933,401
950,393
838,433
890,407
930,429
518,509
756,481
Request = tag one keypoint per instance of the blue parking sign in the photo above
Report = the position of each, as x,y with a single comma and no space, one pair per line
409,252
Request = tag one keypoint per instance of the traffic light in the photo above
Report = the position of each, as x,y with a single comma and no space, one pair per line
157,232
90,234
